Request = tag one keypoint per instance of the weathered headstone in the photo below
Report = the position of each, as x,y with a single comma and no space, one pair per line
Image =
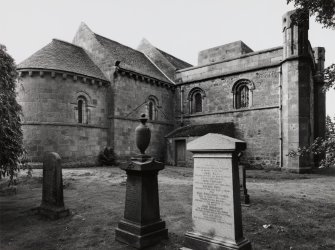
141,225
52,205
245,198
216,208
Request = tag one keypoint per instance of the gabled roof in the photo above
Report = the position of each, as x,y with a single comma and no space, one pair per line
164,61
131,59
200,130
63,56
176,62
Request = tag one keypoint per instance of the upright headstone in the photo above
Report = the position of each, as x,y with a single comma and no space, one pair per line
216,208
52,205
245,198
141,225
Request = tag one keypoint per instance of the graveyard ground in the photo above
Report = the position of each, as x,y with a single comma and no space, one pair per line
287,211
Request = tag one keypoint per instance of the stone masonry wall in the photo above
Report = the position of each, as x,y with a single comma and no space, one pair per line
129,103
258,125
49,105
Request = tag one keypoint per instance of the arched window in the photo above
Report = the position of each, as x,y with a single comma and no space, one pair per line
82,110
195,98
242,91
152,103
197,102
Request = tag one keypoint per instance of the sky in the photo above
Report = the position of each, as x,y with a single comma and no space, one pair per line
179,27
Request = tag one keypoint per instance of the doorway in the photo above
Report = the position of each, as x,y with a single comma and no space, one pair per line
180,152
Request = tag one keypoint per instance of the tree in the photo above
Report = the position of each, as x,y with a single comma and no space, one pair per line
324,12
11,148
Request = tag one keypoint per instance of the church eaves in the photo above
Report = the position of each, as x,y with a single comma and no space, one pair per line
63,56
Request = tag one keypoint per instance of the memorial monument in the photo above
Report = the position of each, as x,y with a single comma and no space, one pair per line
216,208
52,205
141,225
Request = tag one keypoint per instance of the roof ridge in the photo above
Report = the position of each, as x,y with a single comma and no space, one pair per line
59,40
159,68
117,42
173,56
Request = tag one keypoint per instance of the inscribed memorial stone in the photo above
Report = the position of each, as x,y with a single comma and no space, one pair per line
216,208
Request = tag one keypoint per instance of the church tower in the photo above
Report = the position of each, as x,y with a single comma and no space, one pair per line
297,93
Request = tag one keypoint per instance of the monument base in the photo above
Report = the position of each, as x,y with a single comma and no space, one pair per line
245,198
52,213
140,236
198,241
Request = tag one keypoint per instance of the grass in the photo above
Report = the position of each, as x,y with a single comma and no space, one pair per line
298,210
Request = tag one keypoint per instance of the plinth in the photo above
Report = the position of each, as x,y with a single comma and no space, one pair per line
216,208
141,225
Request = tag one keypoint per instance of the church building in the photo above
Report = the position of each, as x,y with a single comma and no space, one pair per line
80,97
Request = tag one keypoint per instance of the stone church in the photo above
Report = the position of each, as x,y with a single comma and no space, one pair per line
81,97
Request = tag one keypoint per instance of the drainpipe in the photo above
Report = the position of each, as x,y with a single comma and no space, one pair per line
280,93
181,106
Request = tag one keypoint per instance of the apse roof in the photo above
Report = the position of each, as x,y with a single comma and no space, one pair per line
63,56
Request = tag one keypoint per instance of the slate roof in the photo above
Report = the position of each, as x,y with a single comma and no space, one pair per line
200,130
131,59
176,62
63,56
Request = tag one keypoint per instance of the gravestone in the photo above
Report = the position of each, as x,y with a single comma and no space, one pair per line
216,208
52,205
245,198
141,225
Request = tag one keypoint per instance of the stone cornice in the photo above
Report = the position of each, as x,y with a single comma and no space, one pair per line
234,72
32,72
136,120
144,78
230,111
66,124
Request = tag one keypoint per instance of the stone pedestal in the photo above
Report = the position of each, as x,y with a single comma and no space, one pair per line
141,225
52,205
216,208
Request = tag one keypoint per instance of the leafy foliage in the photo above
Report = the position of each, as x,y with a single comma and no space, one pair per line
324,147
323,10
11,148
107,157
329,77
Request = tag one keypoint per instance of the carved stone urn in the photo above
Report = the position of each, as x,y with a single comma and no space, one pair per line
142,135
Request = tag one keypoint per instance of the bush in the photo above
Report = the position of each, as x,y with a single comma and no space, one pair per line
107,157
322,147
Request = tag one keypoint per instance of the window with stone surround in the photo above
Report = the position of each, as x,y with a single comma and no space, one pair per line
152,103
195,98
242,91
82,110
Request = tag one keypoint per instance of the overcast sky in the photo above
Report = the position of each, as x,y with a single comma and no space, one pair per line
179,27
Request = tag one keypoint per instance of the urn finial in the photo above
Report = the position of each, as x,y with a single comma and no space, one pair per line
142,134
